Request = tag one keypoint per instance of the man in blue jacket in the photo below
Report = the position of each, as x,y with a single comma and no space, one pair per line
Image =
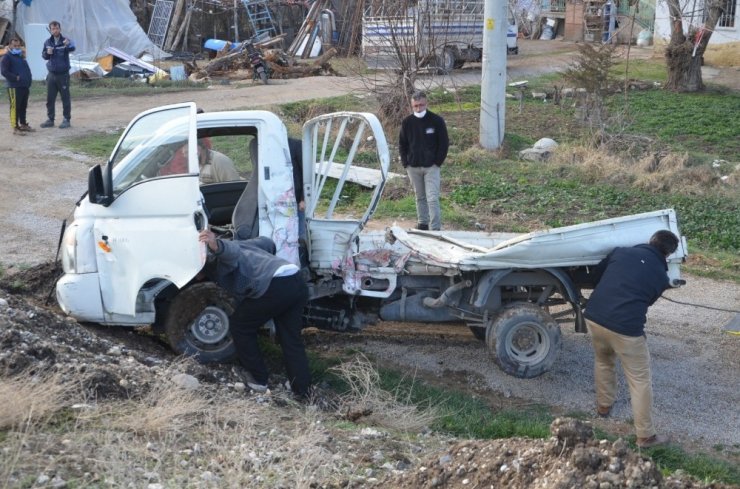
17,73
56,53
265,287
628,281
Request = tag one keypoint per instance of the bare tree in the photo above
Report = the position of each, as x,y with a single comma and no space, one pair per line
684,53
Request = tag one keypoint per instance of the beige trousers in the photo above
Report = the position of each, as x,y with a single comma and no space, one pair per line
634,356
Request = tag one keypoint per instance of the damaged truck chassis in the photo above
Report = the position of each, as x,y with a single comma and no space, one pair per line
132,256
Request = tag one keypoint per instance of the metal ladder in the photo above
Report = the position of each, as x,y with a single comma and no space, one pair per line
260,18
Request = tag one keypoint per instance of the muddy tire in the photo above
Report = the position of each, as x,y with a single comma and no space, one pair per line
524,340
197,323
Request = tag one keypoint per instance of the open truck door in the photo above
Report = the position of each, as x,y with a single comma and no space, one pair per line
147,209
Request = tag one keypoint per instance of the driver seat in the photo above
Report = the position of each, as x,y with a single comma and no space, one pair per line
245,217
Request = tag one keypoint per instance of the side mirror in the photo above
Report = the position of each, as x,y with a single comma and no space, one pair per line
96,188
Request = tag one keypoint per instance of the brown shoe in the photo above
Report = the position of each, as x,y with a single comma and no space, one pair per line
27,128
603,411
18,131
652,441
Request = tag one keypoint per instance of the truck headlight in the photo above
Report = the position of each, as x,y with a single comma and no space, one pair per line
78,255
69,250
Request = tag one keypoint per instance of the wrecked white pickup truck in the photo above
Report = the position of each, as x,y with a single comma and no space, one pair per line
131,254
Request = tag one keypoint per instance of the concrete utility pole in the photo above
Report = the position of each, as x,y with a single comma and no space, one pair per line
493,84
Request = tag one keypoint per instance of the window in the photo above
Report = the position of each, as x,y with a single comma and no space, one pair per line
727,18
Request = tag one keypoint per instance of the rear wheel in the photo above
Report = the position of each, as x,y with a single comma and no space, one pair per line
263,77
524,340
197,323
445,62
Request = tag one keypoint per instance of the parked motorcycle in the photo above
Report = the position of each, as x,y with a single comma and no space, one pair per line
259,66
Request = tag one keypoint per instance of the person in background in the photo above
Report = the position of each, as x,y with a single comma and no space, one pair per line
56,53
214,166
628,281
423,145
17,73
266,288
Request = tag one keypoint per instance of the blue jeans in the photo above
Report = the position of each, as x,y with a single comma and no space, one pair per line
426,183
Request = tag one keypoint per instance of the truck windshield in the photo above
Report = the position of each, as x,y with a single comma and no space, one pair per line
155,146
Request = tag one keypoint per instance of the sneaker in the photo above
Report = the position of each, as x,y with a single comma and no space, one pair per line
65,124
27,128
259,388
603,411
47,123
247,377
18,131
652,441
422,227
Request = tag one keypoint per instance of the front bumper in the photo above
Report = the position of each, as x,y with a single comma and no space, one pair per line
79,296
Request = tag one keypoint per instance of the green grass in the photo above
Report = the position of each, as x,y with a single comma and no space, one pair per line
704,122
702,466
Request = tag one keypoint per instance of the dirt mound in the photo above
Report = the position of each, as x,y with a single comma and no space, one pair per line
571,458
37,281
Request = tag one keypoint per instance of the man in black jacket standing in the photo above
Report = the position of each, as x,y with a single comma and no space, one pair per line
628,281
423,144
56,53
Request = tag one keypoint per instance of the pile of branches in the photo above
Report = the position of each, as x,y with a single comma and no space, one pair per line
237,65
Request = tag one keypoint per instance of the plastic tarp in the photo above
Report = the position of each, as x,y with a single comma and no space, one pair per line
93,26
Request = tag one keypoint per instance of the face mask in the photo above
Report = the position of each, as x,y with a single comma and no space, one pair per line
16,51
420,114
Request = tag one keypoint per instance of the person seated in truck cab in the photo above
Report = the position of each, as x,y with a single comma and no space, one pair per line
214,166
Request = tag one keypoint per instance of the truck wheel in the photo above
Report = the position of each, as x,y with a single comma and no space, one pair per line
197,323
524,340
446,61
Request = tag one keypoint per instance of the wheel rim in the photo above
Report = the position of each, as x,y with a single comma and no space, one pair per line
211,327
528,343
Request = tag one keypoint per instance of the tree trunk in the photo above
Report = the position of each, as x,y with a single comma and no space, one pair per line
684,54
684,70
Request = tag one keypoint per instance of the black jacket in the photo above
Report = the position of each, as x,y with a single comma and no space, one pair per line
423,142
629,280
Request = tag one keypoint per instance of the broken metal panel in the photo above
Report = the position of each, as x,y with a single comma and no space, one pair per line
160,20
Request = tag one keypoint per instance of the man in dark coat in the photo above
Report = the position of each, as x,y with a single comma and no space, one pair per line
423,145
265,287
56,53
628,281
